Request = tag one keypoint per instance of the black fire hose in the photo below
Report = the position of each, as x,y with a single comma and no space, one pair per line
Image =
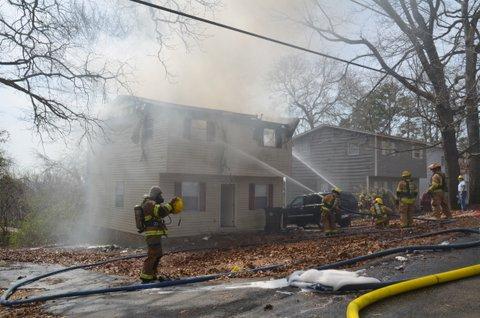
407,249
5,302
188,280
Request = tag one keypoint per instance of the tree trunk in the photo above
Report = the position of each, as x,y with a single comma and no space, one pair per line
471,100
451,158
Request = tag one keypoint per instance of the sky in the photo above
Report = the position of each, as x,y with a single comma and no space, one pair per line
226,70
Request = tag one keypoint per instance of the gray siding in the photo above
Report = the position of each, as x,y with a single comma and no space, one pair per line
329,156
326,149
393,165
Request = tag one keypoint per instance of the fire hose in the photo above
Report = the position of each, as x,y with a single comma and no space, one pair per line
365,300
9,292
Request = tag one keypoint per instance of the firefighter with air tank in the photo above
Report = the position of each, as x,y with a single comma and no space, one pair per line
438,191
407,193
149,220
329,208
380,213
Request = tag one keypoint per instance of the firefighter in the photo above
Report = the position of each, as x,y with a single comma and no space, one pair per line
407,193
380,213
330,207
154,210
438,189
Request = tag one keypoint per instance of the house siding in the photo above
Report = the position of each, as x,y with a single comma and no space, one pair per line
167,157
326,150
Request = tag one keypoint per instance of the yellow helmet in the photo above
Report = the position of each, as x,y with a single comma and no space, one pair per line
434,166
379,200
460,177
406,174
337,190
177,205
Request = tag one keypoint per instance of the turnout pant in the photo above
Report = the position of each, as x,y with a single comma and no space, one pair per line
328,221
440,205
406,214
382,221
154,254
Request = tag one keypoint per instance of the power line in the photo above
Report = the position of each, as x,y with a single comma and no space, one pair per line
263,37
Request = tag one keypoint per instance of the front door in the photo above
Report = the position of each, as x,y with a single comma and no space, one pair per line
227,205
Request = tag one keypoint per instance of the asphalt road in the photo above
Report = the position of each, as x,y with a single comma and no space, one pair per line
228,299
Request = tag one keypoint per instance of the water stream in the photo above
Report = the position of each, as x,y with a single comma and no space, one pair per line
306,164
267,166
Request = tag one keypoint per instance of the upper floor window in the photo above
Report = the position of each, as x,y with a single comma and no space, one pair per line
269,139
193,195
119,194
388,148
417,153
353,149
199,129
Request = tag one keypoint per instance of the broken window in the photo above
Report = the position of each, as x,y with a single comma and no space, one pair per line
119,194
260,196
269,139
199,129
193,195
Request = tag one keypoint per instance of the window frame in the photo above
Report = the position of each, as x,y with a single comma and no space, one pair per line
201,195
273,140
252,197
190,133
119,203
349,149
388,148
419,151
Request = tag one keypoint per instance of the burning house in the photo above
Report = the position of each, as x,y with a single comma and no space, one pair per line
225,165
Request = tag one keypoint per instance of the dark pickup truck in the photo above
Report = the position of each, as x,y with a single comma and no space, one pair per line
304,210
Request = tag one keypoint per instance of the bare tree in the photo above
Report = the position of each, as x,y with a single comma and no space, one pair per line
47,52
469,16
414,47
309,88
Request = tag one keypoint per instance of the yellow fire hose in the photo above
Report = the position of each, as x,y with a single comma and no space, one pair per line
365,300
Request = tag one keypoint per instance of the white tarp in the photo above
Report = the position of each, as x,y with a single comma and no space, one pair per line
329,277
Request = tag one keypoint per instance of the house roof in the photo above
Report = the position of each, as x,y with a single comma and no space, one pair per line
292,122
323,126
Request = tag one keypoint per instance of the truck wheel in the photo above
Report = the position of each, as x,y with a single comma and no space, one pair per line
283,222
345,222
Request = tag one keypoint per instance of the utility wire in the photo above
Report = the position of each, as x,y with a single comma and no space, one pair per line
263,37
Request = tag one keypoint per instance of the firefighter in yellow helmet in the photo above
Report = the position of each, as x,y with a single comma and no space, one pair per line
154,210
380,213
407,193
330,206
438,191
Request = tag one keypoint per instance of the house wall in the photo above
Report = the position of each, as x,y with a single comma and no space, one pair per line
167,157
392,165
233,151
328,154
326,149
199,222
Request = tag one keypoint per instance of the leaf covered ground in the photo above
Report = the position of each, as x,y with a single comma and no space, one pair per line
295,250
